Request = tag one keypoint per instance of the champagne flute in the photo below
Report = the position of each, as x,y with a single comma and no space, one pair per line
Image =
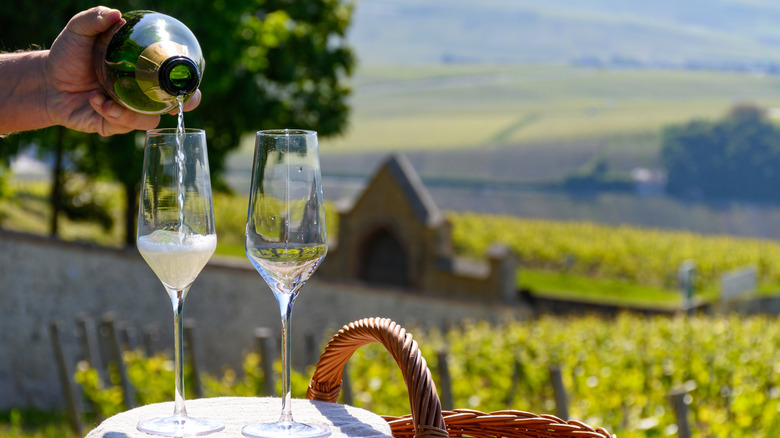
176,237
286,242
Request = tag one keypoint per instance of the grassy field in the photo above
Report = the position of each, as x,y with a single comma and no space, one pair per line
445,107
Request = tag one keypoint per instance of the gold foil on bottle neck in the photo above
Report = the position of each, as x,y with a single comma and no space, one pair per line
148,65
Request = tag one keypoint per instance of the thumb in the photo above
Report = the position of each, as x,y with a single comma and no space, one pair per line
93,21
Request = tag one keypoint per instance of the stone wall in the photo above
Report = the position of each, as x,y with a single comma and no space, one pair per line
43,279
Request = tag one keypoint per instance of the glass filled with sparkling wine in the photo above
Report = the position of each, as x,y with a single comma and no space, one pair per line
176,237
286,242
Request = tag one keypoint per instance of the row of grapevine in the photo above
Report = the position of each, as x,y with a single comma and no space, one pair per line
644,256
618,373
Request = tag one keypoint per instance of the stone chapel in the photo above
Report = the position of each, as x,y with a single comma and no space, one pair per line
393,235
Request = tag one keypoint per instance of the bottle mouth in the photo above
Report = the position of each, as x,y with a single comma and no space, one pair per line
179,75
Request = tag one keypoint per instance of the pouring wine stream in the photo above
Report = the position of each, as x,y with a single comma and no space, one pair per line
180,167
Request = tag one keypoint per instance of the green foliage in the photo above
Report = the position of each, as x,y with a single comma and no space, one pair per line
249,383
376,381
269,64
82,202
33,424
5,189
736,157
107,399
153,378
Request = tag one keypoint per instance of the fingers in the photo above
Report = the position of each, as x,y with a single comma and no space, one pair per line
93,21
193,102
118,119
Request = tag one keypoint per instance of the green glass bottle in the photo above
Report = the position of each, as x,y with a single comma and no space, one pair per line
147,60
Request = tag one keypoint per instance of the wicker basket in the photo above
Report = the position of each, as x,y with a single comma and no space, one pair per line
427,418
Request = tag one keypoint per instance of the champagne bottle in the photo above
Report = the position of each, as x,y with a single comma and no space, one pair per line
147,60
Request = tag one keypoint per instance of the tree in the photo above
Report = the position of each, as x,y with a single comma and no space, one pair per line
269,64
737,157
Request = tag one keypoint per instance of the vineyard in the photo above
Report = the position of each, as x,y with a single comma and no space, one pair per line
635,255
618,373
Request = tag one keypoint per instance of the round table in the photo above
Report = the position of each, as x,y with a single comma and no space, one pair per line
236,412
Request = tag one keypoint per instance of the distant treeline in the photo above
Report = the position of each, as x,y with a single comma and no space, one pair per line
737,157
627,62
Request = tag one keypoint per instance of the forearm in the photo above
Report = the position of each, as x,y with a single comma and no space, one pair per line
23,91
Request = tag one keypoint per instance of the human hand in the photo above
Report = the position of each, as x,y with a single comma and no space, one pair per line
73,95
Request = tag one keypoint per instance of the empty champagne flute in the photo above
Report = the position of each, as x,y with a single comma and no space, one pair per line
176,237
286,242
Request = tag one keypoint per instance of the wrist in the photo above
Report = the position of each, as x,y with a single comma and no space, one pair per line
23,91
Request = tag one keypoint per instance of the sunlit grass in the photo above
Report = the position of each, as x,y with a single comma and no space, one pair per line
18,423
560,284
29,211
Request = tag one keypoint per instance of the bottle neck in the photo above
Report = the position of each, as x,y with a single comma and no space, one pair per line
179,75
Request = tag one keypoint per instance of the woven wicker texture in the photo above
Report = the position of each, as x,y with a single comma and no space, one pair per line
427,418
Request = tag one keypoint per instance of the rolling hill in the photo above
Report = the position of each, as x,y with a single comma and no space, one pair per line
692,33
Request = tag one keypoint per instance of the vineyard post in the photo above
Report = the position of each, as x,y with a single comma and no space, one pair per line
86,332
680,400
64,372
263,337
312,349
445,381
516,374
346,386
686,279
85,329
151,339
559,392
128,336
191,356
108,328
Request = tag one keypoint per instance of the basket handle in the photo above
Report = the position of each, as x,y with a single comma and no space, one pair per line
424,401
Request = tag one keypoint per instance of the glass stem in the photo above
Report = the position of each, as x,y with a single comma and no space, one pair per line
285,305
177,299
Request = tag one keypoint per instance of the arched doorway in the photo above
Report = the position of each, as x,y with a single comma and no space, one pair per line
384,261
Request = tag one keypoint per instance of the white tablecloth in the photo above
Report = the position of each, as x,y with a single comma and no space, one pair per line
237,412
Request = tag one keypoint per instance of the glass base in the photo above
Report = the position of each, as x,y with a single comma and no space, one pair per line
180,426
279,430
